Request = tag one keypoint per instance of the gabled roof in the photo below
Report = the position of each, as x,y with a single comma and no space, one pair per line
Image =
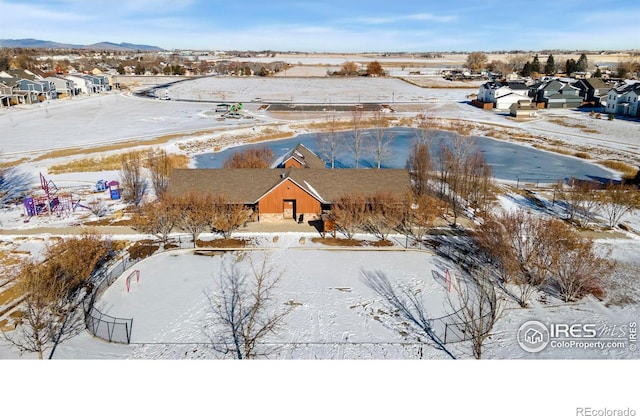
22,74
250,185
517,85
239,185
303,155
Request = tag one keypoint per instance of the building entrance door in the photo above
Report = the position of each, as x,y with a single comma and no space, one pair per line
289,209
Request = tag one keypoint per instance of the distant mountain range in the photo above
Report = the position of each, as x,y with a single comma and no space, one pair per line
46,44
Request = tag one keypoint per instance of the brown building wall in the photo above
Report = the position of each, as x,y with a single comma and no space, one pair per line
273,202
292,163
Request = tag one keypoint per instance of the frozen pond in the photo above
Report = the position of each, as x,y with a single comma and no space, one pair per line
508,161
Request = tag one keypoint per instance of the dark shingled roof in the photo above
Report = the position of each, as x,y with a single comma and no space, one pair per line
250,185
302,154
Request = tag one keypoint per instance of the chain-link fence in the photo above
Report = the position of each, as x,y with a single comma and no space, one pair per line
108,327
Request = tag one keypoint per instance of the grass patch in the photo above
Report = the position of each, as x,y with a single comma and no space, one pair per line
75,151
142,249
15,163
343,242
381,243
338,242
582,155
564,123
224,243
627,170
111,162
554,149
9,295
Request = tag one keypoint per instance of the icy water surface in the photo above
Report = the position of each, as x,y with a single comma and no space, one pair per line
508,161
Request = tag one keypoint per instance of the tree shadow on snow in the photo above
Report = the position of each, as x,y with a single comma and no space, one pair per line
14,185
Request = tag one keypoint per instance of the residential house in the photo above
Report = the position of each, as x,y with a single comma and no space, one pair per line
624,99
64,87
593,90
81,84
523,109
49,89
32,91
6,95
285,194
299,157
90,84
556,93
502,93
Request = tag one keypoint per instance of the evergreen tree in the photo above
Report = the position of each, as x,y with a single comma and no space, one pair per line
550,66
4,63
582,63
526,70
571,66
535,65
598,73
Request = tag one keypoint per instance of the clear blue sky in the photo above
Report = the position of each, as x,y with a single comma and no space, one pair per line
330,25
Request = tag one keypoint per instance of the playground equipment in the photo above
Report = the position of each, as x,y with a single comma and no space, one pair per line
101,186
113,187
62,204
51,203
114,190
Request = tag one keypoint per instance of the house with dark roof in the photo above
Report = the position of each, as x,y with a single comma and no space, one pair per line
593,90
288,193
299,157
557,94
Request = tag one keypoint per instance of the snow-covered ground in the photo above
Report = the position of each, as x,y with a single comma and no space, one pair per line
167,304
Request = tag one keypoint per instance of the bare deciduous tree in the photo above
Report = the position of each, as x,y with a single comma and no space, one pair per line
228,216
45,308
576,269
476,61
348,214
356,143
349,68
581,201
383,139
477,306
131,178
406,306
253,158
98,207
426,124
464,176
618,200
244,308
420,214
52,293
374,69
160,167
383,214
420,167
522,245
194,212
329,142
158,218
